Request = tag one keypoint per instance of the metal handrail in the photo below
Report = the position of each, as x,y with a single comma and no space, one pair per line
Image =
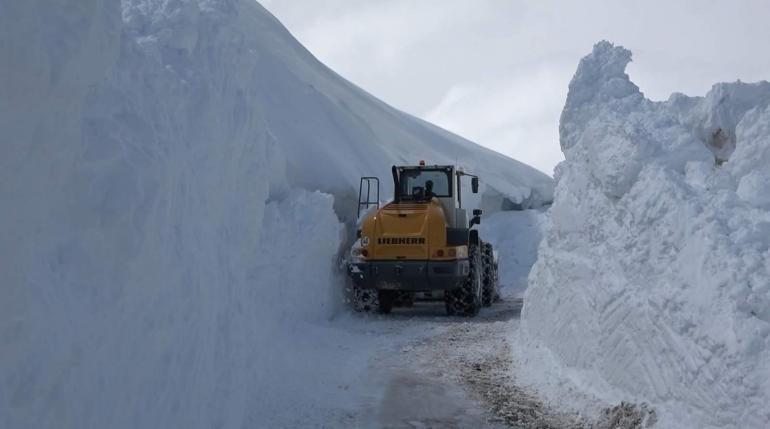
367,202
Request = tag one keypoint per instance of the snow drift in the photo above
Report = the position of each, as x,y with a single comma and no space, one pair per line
653,277
162,234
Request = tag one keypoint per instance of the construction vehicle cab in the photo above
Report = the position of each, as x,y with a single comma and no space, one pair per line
421,241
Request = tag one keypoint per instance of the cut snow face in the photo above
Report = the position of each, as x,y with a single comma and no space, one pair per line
653,278
161,229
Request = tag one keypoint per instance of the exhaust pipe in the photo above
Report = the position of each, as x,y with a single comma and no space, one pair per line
396,187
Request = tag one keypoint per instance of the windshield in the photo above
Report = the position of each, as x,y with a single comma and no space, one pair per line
414,182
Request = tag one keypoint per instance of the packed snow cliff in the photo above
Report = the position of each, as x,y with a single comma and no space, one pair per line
653,277
172,178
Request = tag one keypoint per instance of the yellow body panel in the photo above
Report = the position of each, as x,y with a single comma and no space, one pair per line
408,231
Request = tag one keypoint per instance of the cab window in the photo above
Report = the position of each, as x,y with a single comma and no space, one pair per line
413,181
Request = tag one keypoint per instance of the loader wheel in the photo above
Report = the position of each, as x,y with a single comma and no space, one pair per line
490,290
386,300
466,300
365,300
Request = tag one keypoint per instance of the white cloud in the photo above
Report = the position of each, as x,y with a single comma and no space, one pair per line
497,71
514,115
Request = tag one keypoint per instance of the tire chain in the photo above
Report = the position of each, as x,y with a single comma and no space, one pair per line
460,301
365,300
488,275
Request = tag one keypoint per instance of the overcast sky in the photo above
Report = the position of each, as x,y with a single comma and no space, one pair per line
496,71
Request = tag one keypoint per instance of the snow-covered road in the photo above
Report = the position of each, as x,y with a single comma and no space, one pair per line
418,368
413,371
417,374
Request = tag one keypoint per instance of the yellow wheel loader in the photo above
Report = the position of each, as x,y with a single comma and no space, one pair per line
421,241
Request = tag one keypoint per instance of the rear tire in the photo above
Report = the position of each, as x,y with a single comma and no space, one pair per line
365,300
466,300
490,291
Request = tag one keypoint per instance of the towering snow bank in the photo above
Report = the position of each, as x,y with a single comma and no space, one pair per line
654,274
137,290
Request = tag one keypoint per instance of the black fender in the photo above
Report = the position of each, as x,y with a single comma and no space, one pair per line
473,237
462,237
457,236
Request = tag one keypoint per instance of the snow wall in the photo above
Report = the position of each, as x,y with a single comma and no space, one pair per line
172,178
653,278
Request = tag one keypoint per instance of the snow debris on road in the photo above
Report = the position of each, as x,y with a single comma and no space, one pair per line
460,373
653,281
481,354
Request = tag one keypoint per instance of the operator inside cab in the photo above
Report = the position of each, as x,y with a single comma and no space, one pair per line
429,190
423,194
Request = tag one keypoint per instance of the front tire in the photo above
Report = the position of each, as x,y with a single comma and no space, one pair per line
466,300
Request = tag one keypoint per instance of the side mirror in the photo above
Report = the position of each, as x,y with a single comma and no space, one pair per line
475,220
477,212
475,185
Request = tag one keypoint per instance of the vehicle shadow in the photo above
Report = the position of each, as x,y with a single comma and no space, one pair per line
507,309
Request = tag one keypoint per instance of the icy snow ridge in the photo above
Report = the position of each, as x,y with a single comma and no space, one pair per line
654,273
163,242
